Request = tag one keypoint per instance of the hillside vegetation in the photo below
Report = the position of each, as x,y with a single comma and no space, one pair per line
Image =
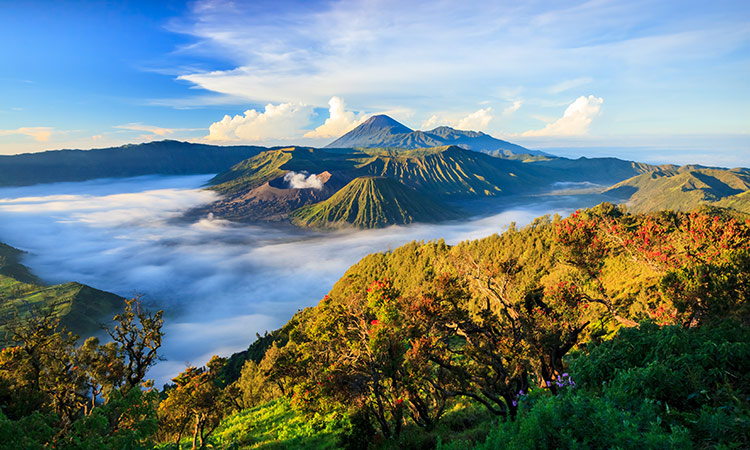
600,330
592,331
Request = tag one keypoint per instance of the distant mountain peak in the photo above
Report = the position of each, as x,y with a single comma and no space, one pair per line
372,132
382,121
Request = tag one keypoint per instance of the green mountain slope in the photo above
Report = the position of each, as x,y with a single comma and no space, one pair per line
740,202
685,188
371,202
80,307
272,164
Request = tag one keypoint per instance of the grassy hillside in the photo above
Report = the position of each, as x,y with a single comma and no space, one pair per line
81,308
600,330
371,202
685,188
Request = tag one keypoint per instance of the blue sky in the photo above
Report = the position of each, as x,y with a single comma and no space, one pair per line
655,81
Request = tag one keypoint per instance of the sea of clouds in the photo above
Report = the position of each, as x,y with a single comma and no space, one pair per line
219,282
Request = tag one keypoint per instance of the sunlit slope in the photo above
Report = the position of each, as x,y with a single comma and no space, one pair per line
605,171
251,172
453,171
440,171
371,202
81,308
685,188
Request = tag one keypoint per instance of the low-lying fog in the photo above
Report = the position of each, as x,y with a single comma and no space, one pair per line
218,282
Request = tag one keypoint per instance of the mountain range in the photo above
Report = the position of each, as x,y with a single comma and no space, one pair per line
439,167
385,132
437,178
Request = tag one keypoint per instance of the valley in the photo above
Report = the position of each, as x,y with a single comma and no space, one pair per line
219,281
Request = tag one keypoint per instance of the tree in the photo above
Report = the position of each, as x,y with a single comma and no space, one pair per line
196,400
137,334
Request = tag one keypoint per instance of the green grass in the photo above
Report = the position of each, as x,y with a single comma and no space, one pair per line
275,425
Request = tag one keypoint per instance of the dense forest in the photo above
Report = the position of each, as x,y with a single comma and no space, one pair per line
600,330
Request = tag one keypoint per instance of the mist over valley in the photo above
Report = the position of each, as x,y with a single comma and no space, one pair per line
219,282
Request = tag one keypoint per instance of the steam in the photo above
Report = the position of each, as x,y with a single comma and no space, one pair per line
218,282
303,180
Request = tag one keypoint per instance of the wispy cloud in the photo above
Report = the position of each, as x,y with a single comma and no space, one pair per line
40,134
512,108
569,84
154,132
476,121
157,131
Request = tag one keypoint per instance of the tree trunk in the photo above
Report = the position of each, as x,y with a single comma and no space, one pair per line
195,431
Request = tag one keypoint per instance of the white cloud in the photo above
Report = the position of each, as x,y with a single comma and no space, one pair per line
575,121
276,122
476,121
40,134
512,108
340,121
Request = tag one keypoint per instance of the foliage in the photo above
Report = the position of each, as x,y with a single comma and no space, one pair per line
49,386
405,335
600,330
276,425
651,386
